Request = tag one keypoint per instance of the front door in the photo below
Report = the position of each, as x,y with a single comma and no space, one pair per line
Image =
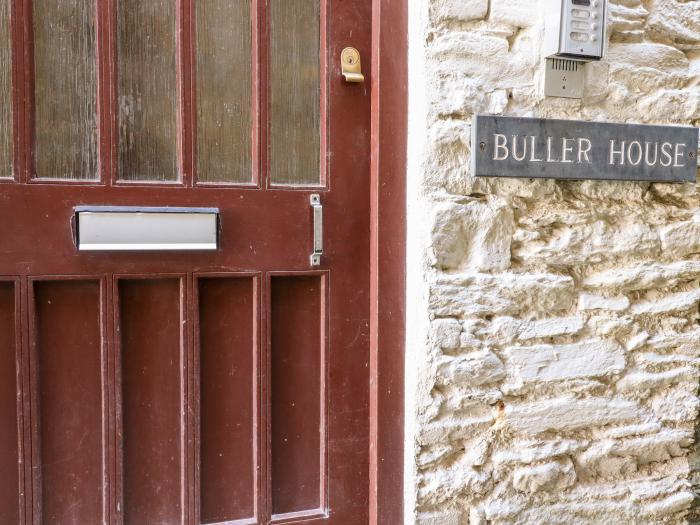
160,383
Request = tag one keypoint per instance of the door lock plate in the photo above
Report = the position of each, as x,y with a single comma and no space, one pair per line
351,65
317,210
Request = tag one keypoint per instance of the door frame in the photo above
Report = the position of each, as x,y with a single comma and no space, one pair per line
388,258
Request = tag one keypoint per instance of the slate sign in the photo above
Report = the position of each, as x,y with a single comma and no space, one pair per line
570,149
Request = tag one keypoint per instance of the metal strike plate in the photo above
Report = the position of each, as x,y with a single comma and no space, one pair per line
351,65
317,210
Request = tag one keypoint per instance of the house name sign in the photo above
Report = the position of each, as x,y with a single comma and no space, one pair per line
570,149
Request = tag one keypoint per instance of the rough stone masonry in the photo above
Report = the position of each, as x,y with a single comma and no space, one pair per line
553,331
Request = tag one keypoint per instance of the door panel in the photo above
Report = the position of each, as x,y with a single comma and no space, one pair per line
9,439
151,347
146,59
67,363
295,92
224,91
298,425
228,414
65,90
228,386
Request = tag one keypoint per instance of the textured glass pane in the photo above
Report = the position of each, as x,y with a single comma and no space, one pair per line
294,92
65,89
5,91
223,91
147,90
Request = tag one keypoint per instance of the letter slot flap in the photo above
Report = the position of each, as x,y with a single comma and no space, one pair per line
117,228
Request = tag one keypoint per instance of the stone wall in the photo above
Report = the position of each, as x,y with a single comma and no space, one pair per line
553,327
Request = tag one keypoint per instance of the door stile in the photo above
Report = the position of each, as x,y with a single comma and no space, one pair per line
118,435
186,116
26,404
193,402
260,423
185,346
109,313
21,398
105,389
33,379
265,509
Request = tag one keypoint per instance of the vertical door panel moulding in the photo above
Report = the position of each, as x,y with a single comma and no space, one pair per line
6,117
295,92
224,91
228,342
67,350
150,326
65,90
147,90
297,394
10,488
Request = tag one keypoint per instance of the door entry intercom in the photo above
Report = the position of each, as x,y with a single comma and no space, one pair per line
574,34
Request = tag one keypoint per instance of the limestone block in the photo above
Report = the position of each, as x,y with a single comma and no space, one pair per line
676,302
645,67
565,414
641,383
676,406
475,236
447,517
475,369
612,458
542,363
501,294
644,276
554,475
444,485
676,20
590,243
681,238
531,451
618,303
637,341
550,327
518,13
625,20
458,10
507,329
445,333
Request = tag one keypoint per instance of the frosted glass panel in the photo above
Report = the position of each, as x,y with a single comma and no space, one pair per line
65,91
294,92
147,90
224,91
5,91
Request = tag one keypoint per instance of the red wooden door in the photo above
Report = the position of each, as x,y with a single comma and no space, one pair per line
226,386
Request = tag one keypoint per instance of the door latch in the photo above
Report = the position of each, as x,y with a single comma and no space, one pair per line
351,65
317,210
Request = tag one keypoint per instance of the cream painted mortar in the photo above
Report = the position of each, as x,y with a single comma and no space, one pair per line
553,336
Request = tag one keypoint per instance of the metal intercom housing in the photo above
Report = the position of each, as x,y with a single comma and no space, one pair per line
575,29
